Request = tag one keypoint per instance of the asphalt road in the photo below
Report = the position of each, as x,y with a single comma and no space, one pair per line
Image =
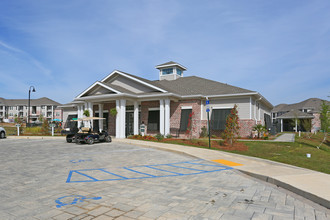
51,179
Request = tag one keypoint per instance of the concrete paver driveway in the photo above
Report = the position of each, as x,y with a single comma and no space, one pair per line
51,179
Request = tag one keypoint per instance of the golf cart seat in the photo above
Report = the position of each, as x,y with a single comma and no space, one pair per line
84,130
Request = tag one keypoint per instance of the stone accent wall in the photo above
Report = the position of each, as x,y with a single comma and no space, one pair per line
316,122
246,126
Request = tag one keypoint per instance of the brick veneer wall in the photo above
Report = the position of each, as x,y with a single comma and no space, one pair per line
316,122
175,114
111,119
145,111
246,126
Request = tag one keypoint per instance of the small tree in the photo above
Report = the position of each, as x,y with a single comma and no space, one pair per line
307,125
325,117
259,128
324,121
18,120
232,126
41,118
45,127
190,127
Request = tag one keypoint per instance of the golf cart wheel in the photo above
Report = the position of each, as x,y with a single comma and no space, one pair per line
69,140
90,141
108,139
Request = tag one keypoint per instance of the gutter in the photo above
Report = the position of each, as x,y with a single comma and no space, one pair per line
117,96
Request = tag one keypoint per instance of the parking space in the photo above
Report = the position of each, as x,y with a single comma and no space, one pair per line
51,179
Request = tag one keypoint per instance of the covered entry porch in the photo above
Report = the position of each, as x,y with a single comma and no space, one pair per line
123,117
296,121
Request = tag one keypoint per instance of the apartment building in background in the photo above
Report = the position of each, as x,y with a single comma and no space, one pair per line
11,108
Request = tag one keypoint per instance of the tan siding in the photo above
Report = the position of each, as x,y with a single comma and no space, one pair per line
131,85
243,106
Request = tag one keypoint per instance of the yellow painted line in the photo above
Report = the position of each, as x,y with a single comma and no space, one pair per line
228,163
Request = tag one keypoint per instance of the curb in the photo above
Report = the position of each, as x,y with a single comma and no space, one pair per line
36,137
321,201
314,198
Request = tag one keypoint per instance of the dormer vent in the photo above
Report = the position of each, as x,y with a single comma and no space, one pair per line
170,70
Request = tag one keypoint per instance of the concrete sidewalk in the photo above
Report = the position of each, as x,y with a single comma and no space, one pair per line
286,137
307,183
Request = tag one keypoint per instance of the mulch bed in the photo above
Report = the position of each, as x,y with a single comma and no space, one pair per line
237,146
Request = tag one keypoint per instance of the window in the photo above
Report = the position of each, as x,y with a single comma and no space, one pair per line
167,71
184,119
268,122
42,107
153,120
218,118
34,109
178,71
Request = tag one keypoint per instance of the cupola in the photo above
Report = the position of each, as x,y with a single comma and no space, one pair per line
170,70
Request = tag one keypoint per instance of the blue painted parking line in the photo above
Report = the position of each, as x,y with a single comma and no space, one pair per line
143,171
151,167
139,172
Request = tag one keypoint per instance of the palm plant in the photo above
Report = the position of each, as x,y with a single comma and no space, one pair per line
259,128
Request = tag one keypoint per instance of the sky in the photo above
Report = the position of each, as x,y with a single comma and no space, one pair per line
278,48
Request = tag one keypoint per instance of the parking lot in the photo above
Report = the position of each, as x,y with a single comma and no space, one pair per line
51,179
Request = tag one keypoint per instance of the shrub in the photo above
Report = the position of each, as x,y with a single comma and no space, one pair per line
213,136
159,137
221,142
169,136
203,132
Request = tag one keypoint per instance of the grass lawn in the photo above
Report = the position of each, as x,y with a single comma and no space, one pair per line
294,153
289,153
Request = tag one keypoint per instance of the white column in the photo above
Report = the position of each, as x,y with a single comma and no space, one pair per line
167,116
296,125
250,108
52,112
91,114
136,118
118,119
281,125
123,118
101,116
161,117
79,108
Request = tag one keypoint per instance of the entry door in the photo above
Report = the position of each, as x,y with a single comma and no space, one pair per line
105,122
129,123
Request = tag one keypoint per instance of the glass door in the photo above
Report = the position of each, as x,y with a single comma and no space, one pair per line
129,123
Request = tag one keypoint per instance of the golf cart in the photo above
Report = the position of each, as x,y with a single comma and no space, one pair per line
86,135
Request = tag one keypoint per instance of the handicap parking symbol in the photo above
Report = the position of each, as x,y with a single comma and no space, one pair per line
72,200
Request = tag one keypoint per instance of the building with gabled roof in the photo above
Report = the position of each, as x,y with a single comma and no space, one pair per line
167,105
292,117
